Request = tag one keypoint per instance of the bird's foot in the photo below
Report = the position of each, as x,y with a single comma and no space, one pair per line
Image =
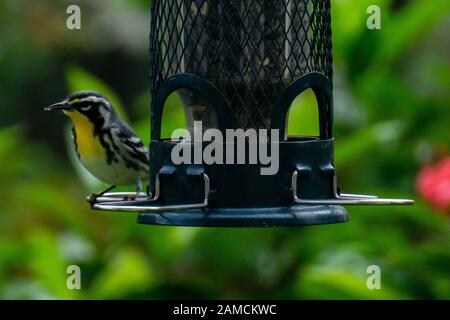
130,198
92,199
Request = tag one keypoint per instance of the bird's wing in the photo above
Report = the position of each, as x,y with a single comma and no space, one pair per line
128,141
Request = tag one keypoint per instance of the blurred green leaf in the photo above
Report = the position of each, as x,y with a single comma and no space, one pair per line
79,79
367,141
173,116
408,28
303,119
340,285
128,272
48,264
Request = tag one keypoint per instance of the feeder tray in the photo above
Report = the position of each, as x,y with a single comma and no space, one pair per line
241,65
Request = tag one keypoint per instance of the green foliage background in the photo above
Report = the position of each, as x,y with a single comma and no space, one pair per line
392,114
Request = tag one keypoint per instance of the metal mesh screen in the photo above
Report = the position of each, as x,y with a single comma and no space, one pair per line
250,49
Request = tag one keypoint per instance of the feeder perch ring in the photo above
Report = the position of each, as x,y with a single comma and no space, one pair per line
145,205
345,198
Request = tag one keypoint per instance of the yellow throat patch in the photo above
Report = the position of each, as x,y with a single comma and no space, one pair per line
88,144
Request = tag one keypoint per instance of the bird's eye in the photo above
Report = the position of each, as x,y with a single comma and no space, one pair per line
86,108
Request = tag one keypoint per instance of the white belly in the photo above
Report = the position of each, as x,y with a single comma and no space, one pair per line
115,174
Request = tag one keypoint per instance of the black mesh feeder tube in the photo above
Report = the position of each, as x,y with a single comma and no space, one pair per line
240,65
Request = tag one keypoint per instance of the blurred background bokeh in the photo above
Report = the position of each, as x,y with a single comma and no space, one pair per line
392,123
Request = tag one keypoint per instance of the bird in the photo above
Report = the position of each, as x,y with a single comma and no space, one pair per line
104,143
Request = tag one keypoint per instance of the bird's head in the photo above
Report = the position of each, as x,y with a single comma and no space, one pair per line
86,104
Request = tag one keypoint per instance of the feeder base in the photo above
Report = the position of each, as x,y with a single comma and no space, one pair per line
249,217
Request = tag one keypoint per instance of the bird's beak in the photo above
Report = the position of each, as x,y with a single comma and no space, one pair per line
63,105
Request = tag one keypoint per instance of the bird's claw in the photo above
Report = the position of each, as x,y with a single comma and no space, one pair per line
92,199
129,198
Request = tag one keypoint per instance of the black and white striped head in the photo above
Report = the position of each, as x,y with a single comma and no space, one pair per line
91,104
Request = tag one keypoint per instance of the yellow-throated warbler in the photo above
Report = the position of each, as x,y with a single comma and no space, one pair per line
105,144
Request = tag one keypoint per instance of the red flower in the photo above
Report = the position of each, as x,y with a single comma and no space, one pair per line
433,184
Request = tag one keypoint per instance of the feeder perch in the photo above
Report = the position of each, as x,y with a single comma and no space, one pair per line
240,65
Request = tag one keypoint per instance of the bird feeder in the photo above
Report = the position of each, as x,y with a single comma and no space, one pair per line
240,65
